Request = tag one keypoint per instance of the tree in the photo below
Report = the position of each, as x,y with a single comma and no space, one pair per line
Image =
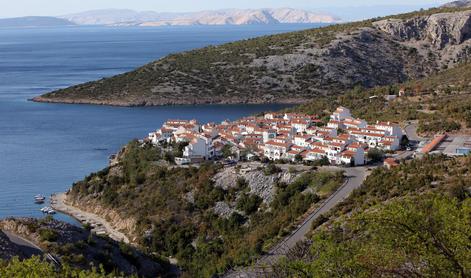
227,151
404,141
249,203
35,267
375,155
298,158
419,236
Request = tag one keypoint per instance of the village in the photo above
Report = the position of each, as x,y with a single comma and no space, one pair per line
293,137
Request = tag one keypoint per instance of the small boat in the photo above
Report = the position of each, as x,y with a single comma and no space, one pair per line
39,198
48,210
51,211
45,209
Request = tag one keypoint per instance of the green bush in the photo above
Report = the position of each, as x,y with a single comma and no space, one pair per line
271,169
249,203
46,234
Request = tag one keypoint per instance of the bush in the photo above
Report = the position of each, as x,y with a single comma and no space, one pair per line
271,169
375,155
249,203
46,234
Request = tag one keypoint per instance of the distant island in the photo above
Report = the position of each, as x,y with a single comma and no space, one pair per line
117,17
34,21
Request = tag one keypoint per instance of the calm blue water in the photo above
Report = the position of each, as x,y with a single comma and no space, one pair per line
44,148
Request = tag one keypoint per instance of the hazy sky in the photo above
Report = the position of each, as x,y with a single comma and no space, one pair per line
13,8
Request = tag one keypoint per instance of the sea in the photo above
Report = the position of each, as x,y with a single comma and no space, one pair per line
45,148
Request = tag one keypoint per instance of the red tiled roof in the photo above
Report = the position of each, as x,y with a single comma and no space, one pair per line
348,153
274,143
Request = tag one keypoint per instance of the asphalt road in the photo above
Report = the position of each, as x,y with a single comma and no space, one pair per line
355,177
411,132
29,249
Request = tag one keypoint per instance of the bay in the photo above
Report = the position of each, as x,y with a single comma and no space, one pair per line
44,148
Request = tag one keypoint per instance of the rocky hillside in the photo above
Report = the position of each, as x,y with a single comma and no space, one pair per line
207,217
458,4
292,67
79,248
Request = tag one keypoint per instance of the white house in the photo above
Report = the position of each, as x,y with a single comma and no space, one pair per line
340,114
389,143
354,123
199,147
303,140
355,153
300,125
315,154
390,128
275,149
268,135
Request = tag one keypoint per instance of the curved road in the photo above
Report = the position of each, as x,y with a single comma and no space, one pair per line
411,132
355,177
29,248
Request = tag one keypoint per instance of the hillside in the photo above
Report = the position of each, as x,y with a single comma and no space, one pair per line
34,21
292,67
412,221
440,102
207,217
116,17
458,4
78,248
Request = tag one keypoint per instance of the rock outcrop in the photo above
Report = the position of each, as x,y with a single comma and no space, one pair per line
258,182
440,30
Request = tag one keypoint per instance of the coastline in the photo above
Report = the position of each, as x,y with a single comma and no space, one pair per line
41,99
99,225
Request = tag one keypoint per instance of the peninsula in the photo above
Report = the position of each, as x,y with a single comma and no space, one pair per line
292,67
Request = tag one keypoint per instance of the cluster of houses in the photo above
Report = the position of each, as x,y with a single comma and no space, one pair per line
289,136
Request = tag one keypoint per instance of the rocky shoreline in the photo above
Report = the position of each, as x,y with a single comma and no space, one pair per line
98,224
150,103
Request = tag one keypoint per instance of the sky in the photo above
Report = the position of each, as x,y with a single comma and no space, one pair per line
15,8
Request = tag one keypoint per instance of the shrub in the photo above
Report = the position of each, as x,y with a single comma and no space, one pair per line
375,155
271,169
249,203
46,234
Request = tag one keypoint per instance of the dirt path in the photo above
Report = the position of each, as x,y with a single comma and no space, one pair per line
100,225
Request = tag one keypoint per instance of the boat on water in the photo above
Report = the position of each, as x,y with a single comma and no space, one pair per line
48,210
39,199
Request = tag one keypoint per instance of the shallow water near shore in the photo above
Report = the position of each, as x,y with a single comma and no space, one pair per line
44,148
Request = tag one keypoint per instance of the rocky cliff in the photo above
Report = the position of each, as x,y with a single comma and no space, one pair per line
123,223
292,67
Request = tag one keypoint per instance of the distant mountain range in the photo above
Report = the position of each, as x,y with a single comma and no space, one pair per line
34,21
113,17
